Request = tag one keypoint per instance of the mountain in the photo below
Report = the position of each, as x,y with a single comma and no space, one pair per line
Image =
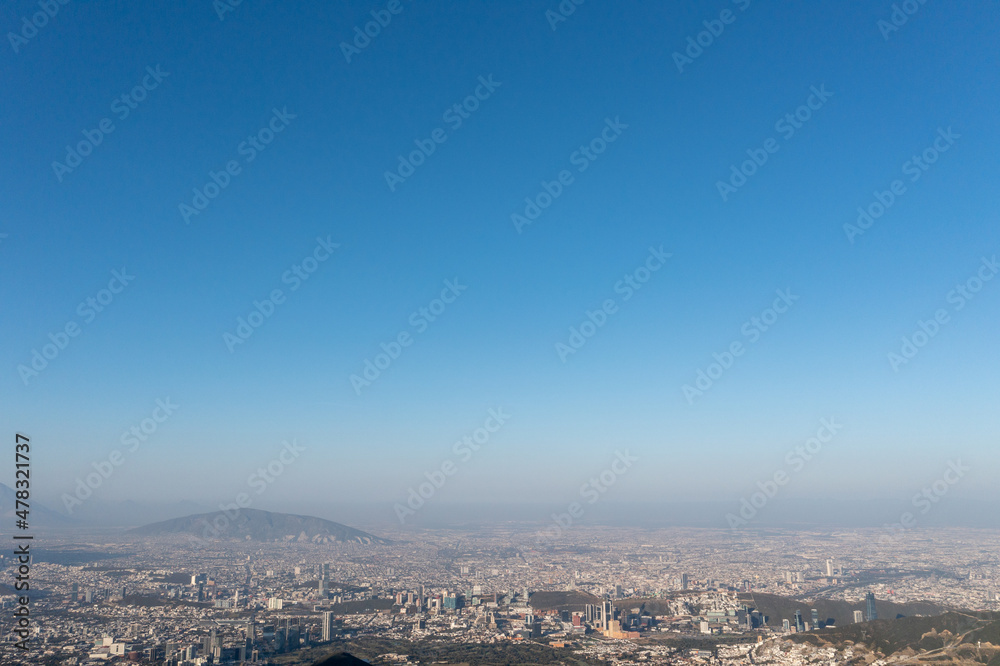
38,515
256,525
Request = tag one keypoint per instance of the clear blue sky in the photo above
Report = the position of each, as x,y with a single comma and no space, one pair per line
655,185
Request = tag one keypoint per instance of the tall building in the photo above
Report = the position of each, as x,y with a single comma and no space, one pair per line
871,613
684,581
815,619
859,616
607,615
829,569
799,626
328,626
786,626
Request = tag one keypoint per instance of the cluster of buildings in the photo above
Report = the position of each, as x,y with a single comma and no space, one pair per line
602,592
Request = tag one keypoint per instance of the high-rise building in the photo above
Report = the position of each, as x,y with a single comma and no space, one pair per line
684,581
799,626
607,615
786,626
871,613
859,616
328,626
815,618
829,569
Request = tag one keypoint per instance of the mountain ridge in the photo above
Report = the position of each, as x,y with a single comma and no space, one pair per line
257,525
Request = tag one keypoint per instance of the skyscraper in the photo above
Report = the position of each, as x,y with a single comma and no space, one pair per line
871,612
859,616
607,615
328,626
799,626
829,568
815,619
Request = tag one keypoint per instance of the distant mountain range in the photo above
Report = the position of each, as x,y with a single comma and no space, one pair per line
257,525
38,515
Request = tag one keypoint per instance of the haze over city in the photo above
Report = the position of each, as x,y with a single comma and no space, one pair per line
381,318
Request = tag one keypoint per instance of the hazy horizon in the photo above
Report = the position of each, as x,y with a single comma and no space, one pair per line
559,238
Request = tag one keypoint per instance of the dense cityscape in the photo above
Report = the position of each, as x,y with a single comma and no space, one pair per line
601,594
616,333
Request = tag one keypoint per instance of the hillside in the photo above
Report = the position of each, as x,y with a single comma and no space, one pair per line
952,638
257,525
38,515
778,608
572,600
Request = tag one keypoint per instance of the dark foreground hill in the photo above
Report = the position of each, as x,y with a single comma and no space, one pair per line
952,638
256,525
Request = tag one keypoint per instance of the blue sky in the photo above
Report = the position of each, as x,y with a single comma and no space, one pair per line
655,185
